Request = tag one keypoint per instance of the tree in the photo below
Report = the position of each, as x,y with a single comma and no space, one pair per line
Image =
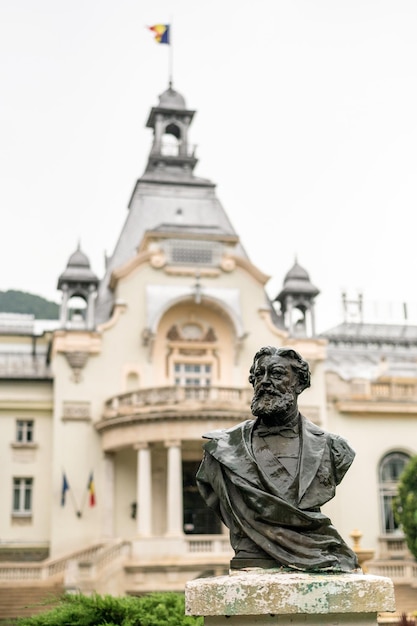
13,301
405,505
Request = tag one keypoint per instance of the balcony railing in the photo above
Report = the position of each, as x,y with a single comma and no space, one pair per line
45,570
401,572
228,397
202,544
23,365
384,391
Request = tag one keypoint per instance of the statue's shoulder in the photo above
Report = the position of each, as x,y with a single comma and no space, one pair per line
312,427
227,433
341,451
317,430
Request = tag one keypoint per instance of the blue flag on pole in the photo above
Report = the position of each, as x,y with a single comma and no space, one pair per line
65,487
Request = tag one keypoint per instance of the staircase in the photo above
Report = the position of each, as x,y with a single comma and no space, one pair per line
25,600
30,588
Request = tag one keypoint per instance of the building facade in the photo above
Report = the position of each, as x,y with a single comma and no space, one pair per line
102,414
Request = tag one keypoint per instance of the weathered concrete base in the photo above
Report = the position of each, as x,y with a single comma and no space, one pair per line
267,597
292,620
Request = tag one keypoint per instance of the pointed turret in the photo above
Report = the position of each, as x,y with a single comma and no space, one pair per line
297,301
78,281
170,121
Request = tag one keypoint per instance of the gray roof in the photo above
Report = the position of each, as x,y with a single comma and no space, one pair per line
369,351
361,333
156,207
78,270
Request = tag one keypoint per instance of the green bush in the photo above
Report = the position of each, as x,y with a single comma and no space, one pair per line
155,609
405,505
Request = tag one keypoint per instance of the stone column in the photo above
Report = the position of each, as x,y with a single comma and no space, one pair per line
144,490
63,314
313,320
290,313
90,307
108,495
175,515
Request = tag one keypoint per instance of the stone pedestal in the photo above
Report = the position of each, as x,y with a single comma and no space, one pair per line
268,597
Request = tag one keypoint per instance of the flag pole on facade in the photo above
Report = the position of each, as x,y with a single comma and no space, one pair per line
66,487
91,490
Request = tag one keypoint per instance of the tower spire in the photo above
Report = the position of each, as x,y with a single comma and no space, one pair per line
170,121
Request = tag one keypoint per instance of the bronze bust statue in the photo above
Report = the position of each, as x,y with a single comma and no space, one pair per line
267,478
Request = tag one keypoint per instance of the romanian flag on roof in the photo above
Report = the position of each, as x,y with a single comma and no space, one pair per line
91,490
161,32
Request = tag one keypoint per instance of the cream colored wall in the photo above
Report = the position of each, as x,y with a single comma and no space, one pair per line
356,504
77,452
31,400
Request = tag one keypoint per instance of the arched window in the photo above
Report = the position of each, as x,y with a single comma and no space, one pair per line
132,381
77,311
171,140
390,470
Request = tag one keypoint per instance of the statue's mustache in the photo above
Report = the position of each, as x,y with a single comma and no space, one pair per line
268,391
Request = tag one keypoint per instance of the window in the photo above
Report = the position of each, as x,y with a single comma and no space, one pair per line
22,496
390,470
192,374
24,431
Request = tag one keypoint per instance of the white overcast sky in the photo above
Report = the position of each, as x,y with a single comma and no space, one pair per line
306,120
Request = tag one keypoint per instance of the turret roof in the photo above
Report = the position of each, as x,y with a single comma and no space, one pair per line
78,270
297,282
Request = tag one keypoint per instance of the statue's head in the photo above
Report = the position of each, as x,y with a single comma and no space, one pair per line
278,376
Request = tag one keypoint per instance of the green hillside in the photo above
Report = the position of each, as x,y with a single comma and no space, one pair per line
12,301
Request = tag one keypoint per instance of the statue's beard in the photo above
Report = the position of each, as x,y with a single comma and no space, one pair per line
274,404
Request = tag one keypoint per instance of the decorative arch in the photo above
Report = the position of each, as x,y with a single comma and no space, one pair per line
173,129
159,311
172,138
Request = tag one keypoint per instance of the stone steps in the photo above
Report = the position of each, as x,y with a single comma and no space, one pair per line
25,600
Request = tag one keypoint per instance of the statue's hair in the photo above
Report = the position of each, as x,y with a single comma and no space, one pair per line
299,366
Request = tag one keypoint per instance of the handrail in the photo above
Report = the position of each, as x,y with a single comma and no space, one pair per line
54,567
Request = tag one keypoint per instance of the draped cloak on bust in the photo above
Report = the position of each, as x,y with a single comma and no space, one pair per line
288,527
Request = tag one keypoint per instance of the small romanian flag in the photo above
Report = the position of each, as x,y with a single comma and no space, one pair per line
65,487
162,32
91,490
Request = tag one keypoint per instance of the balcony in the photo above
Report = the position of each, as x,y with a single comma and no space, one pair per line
24,365
166,400
147,415
384,391
380,397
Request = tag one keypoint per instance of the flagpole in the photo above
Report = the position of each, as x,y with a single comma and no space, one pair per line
77,510
171,54
83,500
